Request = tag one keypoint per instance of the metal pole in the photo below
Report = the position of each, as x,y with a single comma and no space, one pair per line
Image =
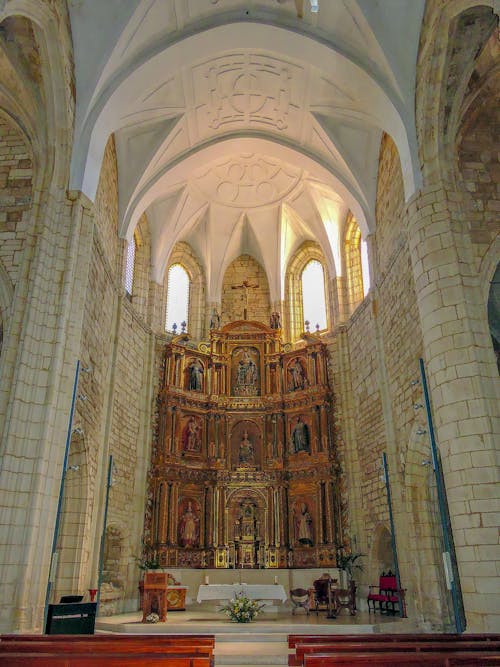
402,605
449,557
103,536
54,553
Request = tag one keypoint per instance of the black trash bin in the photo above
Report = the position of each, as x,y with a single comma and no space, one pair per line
71,618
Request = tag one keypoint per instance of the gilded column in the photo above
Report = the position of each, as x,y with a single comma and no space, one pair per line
321,513
215,513
319,431
324,426
161,535
278,533
174,498
173,427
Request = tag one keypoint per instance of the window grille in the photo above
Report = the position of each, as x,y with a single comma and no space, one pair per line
129,267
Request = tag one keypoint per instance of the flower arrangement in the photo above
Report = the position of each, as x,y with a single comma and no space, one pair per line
241,609
152,618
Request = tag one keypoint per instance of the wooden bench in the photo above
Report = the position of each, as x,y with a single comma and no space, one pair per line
147,659
335,648
143,640
430,659
173,650
294,639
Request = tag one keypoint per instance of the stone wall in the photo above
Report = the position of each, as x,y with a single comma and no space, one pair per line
233,302
16,183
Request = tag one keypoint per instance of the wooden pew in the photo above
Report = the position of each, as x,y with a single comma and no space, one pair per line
293,639
335,648
426,659
15,659
128,640
177,650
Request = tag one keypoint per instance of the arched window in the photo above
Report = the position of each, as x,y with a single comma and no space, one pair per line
177,298
129,266
357,268
313,295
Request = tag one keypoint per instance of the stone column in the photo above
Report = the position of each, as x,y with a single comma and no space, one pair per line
464,387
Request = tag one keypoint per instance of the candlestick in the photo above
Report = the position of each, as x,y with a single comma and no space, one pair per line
275,578
206,580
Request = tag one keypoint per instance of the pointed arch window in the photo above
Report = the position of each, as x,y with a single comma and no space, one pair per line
313,295
177,298
130,266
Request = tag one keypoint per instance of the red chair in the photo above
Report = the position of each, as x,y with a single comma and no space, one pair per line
386,594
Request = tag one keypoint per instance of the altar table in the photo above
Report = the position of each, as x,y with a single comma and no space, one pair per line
252,591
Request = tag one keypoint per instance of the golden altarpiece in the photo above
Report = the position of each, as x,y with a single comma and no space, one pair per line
244,471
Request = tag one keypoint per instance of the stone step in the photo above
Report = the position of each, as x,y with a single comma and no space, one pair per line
262,637
250,653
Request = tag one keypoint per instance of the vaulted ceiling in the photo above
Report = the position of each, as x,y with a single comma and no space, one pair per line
244,126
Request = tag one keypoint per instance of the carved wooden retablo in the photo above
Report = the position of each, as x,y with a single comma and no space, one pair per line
244,470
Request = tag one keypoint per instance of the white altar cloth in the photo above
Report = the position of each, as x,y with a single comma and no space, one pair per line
252,591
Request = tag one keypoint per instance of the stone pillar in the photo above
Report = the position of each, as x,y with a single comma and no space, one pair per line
46,319
464,387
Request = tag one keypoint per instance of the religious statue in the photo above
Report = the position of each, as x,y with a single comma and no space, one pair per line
195,376
246,450
275,320
303,525
191,435
215,319
246,373
245,285
300,436
298,376
188,527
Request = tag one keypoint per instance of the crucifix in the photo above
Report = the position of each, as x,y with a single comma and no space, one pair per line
245,285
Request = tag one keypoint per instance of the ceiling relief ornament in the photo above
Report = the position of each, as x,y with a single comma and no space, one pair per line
250,93
247,181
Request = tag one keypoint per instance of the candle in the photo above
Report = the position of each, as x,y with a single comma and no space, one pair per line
206,580
275,578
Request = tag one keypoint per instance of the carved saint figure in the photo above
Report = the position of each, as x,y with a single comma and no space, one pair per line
298,376
188,527
215,319
191,435
300,436
303,525
246,450
246,372
195,376
274,321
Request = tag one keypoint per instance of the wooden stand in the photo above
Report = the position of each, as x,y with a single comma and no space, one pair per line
155,595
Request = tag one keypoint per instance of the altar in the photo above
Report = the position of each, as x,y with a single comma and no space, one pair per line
252,591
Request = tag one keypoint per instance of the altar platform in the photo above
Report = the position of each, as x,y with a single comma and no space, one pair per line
214,622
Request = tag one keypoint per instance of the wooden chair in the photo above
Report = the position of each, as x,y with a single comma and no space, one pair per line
386,594
299,598
322,593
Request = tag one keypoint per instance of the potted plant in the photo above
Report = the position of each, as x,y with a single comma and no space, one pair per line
144,563
347,562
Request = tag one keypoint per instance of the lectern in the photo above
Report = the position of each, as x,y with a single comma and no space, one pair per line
155,595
